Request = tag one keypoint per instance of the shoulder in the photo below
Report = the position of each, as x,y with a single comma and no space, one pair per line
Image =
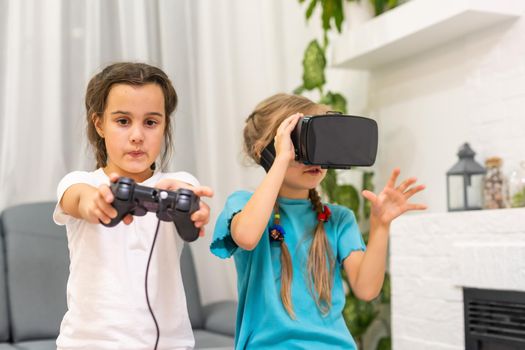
93,178
183,176
237,200
341,214
239,197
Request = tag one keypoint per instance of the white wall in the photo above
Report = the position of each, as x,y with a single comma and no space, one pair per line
434,255
469,90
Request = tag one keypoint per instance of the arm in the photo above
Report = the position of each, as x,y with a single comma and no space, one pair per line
92,204
247,227
366,270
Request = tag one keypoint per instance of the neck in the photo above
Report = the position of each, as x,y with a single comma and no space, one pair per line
293,193
137,177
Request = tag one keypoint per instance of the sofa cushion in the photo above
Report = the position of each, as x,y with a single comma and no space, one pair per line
37,345
209,340
37,270
191,288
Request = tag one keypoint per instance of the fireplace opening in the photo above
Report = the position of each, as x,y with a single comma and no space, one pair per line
494,319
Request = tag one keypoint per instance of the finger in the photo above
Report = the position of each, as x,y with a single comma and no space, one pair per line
200,216
171,185
293,122
369,195
113,177
416,207
128,219
99,214
413,191
203,191
106,208
105,193
284,124
406,184
201,232
393,178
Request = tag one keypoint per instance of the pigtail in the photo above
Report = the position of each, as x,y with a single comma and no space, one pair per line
321,262
277,234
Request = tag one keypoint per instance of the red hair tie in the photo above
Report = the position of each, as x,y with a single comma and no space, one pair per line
325,215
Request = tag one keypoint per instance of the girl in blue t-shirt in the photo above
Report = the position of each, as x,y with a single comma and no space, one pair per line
288,245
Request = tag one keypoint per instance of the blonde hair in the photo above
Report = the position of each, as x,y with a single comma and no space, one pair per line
260,129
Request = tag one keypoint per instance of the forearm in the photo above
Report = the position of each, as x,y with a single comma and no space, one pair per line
70,201
372,269
249,224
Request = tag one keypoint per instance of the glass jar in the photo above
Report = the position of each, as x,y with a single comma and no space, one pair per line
495,185
517,187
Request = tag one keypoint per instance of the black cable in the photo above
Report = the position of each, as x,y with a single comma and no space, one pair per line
146,286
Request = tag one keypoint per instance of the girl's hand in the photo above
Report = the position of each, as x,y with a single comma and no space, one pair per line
202,216
283,142
392,201
95,204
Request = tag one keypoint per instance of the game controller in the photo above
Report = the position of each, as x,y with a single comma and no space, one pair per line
176,206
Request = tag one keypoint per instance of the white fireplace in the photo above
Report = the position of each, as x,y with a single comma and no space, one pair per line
433,256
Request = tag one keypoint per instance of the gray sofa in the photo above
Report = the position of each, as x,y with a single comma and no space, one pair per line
34,264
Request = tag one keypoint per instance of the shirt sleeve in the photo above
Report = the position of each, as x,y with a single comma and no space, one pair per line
223,244
73,178
350,238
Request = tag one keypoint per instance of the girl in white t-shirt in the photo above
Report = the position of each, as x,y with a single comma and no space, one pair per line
128,123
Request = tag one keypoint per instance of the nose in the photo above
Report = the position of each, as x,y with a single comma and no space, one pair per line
137,134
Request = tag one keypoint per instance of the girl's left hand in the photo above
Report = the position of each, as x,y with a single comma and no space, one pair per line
392,201
202,216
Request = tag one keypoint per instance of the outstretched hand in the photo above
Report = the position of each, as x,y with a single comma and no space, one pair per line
392,201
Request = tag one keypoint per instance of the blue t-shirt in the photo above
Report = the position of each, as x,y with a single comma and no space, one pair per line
262,321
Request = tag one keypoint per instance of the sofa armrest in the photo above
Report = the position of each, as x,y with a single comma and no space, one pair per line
219,317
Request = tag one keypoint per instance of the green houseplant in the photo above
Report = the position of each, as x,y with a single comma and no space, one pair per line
358,314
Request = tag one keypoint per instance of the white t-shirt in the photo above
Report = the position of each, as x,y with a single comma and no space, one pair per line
106,299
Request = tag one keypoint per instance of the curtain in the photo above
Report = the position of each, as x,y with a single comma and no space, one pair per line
223,57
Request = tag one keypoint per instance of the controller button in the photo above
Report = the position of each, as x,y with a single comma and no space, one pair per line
163,194
123,192
183,204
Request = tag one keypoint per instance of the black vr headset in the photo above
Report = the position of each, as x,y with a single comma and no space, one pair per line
333,141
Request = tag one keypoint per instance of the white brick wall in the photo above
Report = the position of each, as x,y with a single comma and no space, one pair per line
432,256
469,90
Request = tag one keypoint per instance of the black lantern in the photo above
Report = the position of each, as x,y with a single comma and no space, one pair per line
465,182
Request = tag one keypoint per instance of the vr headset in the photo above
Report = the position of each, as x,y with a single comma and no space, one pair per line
333,141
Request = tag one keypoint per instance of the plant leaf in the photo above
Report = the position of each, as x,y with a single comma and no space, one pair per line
367,185
385,290
384,343
298,90
310,9
329,184
339,15
314,63
335,100
347,195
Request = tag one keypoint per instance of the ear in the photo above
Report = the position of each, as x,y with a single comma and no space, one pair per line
97,122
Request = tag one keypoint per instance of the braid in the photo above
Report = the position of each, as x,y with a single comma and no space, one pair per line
321,260
277,234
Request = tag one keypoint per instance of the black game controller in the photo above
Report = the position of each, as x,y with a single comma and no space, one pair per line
176,206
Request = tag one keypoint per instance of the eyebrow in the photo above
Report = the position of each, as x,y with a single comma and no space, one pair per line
128,113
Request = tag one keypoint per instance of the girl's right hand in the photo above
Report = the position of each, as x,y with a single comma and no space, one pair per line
284,148
95,204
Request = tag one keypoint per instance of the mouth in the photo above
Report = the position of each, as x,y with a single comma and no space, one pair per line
313,171
136,154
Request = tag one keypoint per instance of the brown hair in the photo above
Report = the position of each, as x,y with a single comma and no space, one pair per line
132,74
261,127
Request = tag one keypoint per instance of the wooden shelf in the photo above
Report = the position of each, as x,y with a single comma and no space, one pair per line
416,26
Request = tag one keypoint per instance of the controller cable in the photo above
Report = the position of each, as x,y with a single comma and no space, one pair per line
162,194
